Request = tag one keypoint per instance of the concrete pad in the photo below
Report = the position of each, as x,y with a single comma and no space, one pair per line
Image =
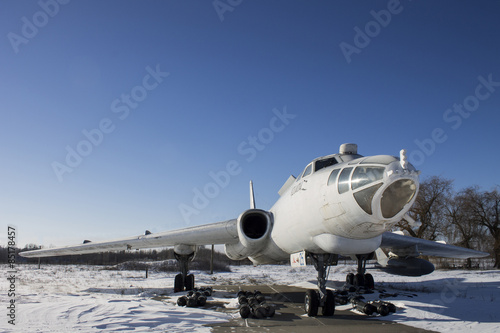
290,316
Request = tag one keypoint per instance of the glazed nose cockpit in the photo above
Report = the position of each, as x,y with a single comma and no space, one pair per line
382,185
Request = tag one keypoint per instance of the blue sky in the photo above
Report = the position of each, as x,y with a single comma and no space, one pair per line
159,97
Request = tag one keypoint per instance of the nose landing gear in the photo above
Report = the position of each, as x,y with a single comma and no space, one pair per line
322,297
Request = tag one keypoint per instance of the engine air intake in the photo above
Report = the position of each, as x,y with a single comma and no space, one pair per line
254,224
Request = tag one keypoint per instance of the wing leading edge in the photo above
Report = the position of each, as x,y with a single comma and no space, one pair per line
215,233
413,247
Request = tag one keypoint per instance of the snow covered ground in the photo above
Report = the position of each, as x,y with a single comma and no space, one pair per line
89,299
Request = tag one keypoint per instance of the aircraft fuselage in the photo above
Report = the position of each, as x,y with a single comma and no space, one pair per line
342,204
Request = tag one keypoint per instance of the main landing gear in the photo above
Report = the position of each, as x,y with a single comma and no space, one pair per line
183,281
324,299
361,279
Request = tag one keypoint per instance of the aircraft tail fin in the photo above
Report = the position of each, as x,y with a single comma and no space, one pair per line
252,197
382,258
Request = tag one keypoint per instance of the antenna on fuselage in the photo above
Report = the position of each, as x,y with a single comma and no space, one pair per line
348,149
252,197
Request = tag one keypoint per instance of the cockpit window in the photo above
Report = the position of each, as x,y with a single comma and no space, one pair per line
366,175
324,163
307,171
344,180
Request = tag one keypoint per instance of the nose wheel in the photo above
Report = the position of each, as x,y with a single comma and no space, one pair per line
321,298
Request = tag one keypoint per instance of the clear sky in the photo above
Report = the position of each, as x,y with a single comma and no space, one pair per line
116,115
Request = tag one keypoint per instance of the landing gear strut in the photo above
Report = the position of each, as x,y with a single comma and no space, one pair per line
183,281
361,279
322,298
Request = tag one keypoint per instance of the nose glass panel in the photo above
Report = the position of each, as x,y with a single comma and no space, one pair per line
396,196
365,175
364,197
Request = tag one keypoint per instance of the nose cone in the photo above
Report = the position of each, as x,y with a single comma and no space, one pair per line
397,196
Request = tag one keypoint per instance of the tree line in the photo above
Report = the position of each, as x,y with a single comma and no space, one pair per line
468,218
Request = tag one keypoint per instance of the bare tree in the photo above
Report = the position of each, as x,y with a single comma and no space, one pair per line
485,207
430,208
462,228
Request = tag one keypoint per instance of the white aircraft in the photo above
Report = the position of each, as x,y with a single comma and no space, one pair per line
340,204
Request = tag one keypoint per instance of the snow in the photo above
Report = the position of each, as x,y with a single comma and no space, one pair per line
89,299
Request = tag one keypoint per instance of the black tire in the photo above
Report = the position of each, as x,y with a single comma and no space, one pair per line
390,306
349,278
369,282
201,301
182,301
311,303
369,309
189,283
244,311
270,310
191,302
178,283
329,309
382,309
260,312
252,301
359,280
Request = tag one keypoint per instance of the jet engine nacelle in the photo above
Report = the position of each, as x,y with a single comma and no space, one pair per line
408,266
254,227
188,251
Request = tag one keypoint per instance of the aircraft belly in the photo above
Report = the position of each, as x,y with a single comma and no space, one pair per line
346,246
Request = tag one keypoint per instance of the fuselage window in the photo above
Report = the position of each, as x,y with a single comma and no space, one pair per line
332,180
344,180
307,171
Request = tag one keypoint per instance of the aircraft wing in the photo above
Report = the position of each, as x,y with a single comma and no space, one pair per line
215,233
413,247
